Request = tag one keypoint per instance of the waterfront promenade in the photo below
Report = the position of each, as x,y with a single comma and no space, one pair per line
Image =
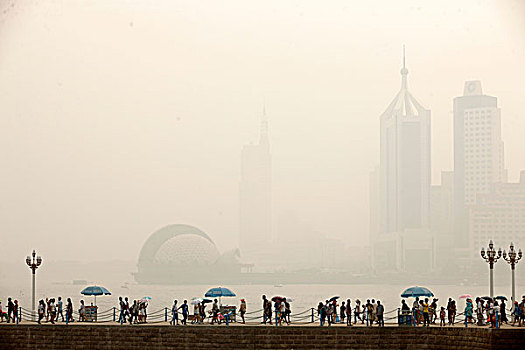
155,337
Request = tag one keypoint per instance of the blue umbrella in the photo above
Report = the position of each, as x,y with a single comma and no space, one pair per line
219,292
417,292
95,290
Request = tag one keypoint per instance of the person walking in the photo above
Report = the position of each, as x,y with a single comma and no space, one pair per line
288,312
52,310
468,312
82,312
122,307
215,312
41,311
69,311
184,309
368,313
265,310
380,310
242,310
60,309
174,313
357,311
10,310
433,311
321,311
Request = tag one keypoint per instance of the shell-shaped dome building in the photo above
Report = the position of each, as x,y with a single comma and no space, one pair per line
180,254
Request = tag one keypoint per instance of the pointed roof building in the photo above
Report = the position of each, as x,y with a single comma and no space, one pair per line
400,235
405,161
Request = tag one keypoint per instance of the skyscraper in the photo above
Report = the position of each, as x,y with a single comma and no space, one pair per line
478,153
255,218
404,181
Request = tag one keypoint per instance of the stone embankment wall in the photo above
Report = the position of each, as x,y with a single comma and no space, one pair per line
114,337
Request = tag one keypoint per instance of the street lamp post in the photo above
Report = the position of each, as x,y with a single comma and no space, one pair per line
512,259
491,256
33,264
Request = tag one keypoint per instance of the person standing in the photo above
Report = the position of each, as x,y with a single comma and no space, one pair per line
453,310
348,311
380,310
242,310
15,311
503,312
196,317
357,311
342,312
203,312
442,317
269,312
288,312
282,311
426,318
329,311
215,312
373,312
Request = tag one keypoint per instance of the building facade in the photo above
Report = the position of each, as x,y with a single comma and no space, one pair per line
255,196
478,153
499,215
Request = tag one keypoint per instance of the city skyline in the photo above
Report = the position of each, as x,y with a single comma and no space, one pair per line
119,142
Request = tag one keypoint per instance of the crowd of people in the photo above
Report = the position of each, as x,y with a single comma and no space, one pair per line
50,310
134,313
482,311
12,311
372,312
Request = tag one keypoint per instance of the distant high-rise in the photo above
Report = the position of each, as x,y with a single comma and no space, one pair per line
404,162
499,215
255,219
478,153
403,238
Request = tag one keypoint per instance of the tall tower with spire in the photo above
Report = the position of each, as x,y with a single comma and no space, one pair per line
255,190
404,174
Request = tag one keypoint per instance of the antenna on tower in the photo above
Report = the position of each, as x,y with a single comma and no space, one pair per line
264,125
404,56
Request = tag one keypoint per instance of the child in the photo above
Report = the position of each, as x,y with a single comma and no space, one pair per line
442,317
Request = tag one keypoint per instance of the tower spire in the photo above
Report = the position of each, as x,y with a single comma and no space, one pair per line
404,72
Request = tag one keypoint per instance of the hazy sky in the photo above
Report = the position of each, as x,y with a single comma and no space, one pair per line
119,117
